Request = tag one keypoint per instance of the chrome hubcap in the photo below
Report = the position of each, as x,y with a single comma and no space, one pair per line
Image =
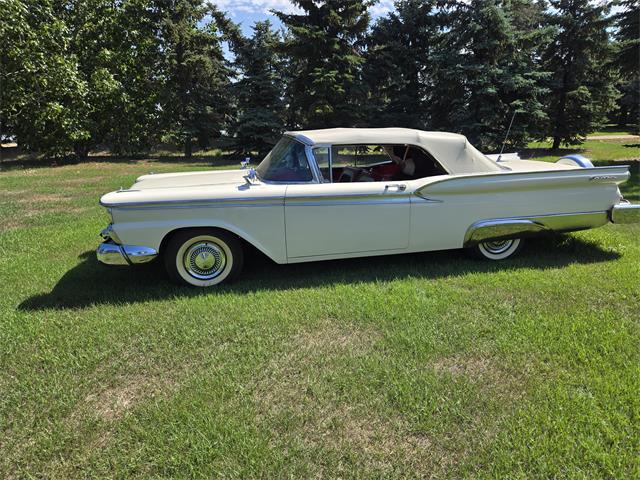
499,246
205,260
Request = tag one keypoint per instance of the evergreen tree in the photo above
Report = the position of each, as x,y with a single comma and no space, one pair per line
582,82
399,67
260,106
628,62
196,98
487,69
324,46
135,119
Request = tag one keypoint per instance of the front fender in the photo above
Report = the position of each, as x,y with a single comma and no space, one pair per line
262,227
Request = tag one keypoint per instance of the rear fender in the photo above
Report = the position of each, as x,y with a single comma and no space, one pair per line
505,182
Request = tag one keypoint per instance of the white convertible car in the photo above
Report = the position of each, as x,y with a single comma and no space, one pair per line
340,193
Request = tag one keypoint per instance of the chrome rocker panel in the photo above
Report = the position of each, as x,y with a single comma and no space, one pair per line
111,253
505,228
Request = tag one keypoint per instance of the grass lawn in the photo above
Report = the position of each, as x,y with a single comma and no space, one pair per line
403,366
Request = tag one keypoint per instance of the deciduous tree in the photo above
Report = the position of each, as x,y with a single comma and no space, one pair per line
41,88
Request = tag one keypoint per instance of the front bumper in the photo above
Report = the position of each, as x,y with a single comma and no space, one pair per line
111,253
625,213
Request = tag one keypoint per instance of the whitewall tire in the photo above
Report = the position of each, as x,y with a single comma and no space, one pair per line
203,257
498,249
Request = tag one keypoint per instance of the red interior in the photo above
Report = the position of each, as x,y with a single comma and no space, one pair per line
379,173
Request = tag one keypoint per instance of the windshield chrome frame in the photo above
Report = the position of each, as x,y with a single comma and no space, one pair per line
315,162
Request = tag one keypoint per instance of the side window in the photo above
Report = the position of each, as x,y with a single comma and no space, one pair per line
361,163
360,156
321,154
381,163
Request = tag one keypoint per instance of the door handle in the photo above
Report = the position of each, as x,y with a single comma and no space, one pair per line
398,187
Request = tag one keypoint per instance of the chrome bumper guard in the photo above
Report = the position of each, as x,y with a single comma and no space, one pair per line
625,213
111,253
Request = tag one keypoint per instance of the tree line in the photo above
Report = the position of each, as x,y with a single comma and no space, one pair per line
77,75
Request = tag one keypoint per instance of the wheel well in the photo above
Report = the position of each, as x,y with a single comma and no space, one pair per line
169,235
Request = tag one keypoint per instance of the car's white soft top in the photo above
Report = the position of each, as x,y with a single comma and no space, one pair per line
454,151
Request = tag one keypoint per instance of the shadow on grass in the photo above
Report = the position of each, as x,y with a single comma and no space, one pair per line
90,283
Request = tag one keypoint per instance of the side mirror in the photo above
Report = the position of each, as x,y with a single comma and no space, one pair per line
251,176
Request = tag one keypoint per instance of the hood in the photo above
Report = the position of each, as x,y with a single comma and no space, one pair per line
189,179
227,186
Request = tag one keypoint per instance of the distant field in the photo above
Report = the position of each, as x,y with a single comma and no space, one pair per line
616,130
600,150
427,365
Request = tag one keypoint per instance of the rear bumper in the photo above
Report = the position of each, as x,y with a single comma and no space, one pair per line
111,253
625,213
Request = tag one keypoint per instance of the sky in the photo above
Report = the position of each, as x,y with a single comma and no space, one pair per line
246,12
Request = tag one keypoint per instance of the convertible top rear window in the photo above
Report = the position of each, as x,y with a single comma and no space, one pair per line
286,162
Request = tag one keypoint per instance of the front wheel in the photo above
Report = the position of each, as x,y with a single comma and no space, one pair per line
203,257
498,249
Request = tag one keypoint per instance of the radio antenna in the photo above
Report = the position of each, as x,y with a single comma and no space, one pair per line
506,137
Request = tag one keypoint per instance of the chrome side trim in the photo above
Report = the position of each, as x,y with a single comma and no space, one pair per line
111,253
394,201
625,213
515,227
355,199
208,205
205,202
422,196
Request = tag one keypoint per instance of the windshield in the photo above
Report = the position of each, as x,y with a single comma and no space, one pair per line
287,162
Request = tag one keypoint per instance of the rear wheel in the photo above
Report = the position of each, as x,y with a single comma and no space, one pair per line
203,257
498,249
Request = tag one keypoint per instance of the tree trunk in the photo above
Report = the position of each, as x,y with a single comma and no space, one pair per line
188,148
81,151
560,114
622,117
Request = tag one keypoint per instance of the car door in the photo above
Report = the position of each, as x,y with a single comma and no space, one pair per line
336,219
